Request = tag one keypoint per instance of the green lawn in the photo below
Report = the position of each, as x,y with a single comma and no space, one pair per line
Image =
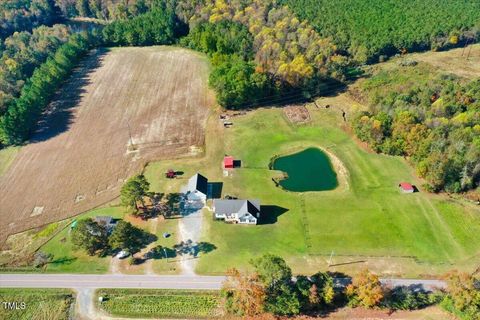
51,304
367,216
68,259
166,266
160,303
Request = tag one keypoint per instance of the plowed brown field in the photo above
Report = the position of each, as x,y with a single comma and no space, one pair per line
120,109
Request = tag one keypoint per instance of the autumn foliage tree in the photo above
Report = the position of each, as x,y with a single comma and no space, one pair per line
365,290
245,293
281,54
463,295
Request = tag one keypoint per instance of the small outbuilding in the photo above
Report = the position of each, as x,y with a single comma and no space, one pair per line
197,188
228,162
406,187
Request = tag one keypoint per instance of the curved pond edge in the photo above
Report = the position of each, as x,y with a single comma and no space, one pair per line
338,166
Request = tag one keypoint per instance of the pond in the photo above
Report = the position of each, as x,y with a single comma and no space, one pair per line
308,170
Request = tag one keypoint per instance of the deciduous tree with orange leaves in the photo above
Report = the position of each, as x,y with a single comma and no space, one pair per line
245,293
365,290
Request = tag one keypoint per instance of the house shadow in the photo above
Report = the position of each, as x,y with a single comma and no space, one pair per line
237,163
215,190
269,214
60,113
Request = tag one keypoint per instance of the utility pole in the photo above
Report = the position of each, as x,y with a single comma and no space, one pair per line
130,135
166,255
469,51
330,260
465,46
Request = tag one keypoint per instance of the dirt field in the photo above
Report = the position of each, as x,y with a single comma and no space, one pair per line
83,152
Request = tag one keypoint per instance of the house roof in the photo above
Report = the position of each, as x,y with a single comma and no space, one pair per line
237,206
228,161
405,186
198,183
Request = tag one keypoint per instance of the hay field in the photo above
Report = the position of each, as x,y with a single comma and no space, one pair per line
120,109
463,62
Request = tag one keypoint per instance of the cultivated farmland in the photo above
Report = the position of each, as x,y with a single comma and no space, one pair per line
121,109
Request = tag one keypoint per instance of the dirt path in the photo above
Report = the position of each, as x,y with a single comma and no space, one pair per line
115,266
190,229
85,308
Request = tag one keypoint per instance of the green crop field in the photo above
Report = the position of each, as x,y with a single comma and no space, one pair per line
51,304
160,303
366,221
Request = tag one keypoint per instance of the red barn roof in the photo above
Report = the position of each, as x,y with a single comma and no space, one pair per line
405,186
228,162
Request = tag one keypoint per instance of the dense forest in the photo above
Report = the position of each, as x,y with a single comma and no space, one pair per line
158,26
287,59
368,29
104,9
432,119
22,53
24,15
23,113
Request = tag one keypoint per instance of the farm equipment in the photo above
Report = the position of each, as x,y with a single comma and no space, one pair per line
170,174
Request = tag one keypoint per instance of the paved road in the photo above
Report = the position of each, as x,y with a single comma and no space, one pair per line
79,281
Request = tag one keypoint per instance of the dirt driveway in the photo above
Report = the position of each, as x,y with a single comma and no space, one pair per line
120,109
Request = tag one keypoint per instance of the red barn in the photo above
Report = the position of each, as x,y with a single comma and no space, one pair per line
228,162
406,187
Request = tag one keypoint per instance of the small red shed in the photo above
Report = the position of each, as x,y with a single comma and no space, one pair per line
228,162
406,187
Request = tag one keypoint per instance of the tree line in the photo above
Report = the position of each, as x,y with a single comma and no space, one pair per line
368,30
22,115
158,26
432,120
104,9
271,290
21,54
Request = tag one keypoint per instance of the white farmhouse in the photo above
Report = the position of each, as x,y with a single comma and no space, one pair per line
237,211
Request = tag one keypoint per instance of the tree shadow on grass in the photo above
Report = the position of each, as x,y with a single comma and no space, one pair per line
59,114
63,261
269,214
160,252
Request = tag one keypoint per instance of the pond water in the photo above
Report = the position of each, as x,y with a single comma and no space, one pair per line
308,170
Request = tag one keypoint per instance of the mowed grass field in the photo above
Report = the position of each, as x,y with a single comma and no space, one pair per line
121,108
365,222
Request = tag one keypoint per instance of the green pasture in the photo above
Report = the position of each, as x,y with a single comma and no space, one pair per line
366,215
